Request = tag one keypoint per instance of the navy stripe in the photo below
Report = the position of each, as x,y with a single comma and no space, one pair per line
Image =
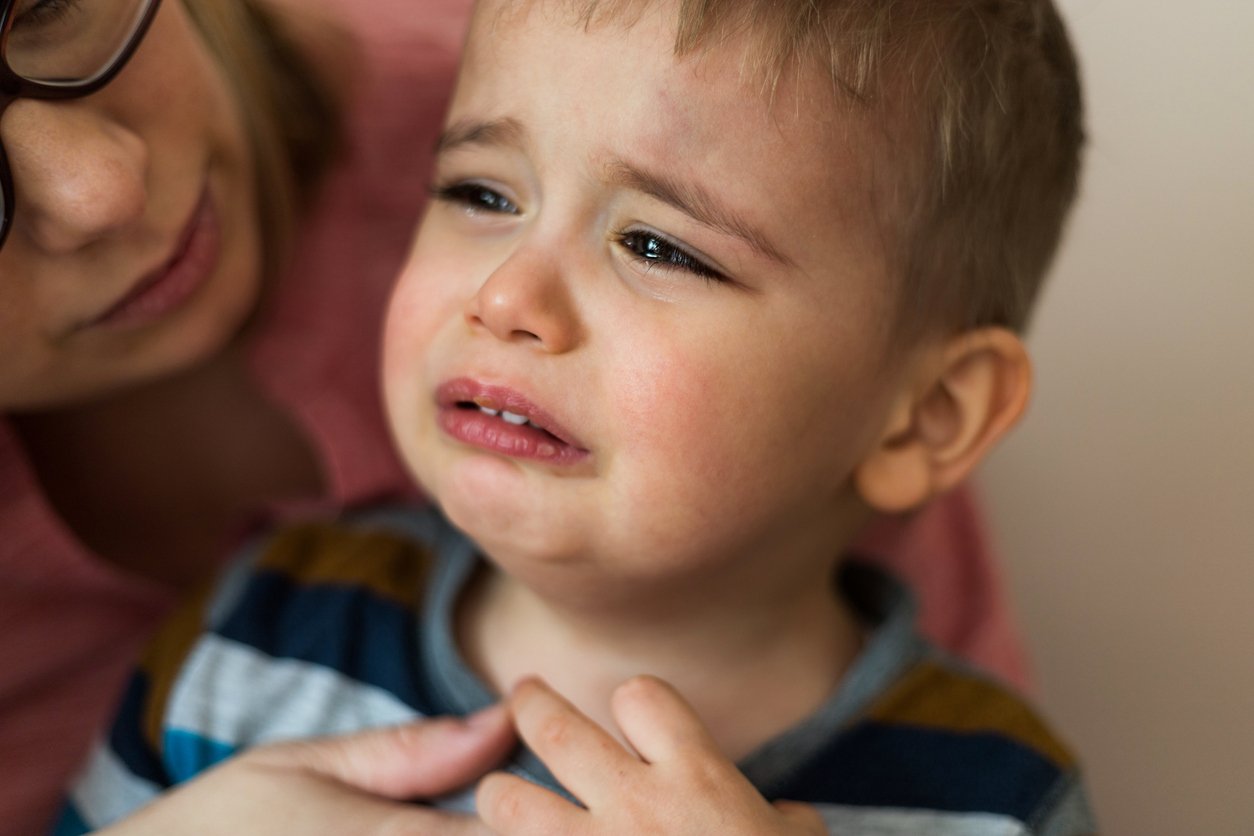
126,738
880,765
349,629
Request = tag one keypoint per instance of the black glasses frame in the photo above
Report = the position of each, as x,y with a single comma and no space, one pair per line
14,86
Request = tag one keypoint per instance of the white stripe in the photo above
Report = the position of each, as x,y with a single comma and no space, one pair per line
885,821
106,790
232,693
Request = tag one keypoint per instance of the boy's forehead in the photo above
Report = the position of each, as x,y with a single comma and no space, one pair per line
792,168
696,102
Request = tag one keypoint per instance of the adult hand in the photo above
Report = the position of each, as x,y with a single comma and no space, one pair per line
680,783
337,785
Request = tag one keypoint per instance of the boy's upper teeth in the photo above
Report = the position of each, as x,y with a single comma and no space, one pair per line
507,416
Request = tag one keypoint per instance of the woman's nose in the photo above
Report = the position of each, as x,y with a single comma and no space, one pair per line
527,300
77,176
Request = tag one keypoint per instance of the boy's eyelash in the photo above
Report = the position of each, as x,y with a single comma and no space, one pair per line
648,248
655,250
476,197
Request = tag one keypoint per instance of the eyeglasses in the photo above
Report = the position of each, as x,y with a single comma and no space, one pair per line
62,49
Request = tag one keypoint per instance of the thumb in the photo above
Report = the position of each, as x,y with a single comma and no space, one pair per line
416,760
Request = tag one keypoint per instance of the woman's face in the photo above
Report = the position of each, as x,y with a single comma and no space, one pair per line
134,251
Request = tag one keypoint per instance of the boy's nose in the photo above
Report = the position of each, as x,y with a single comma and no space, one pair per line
77,177
526,300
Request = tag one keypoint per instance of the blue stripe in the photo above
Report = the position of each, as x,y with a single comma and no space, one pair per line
345,628
70,823
881,765
126,737
188,754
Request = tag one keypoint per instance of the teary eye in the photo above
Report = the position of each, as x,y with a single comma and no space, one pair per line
657,251
476,197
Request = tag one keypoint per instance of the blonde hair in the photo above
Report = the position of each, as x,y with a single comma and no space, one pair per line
293,121
980,114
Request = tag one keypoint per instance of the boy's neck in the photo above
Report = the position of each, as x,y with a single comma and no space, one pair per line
750,671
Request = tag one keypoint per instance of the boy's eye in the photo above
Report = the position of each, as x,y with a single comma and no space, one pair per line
476,197
654,250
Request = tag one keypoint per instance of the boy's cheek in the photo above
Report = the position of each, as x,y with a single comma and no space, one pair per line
408,337
420,303
399,346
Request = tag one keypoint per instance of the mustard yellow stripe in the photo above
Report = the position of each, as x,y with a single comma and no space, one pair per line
386,564
932,696
164,659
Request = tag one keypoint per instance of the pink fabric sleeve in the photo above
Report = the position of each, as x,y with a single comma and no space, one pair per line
944,553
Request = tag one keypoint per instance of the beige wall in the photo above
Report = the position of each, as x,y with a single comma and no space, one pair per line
1126,501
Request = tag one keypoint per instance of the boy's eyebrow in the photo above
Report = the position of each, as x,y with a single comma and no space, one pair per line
509,132
689,198
694,201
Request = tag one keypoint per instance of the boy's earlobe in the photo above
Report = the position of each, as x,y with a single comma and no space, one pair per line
964,402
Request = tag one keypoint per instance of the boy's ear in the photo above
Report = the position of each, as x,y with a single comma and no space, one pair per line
968,393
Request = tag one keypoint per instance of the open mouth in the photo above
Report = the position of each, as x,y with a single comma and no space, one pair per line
484,406
502,421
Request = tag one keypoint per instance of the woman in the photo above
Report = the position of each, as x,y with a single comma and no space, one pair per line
195,261
161,379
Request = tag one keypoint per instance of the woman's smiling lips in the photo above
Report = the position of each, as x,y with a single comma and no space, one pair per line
502,421
165,289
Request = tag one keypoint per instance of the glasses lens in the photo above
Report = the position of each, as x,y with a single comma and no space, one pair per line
70,41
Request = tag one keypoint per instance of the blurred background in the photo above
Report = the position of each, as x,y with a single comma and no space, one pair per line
1125,503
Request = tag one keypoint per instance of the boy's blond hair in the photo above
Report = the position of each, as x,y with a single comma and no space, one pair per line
979,116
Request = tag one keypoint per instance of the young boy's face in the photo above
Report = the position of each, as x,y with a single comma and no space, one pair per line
679,283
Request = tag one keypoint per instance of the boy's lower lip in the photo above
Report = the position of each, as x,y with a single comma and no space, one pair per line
494,434
166,289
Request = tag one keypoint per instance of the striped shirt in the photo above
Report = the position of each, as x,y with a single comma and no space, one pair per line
329,628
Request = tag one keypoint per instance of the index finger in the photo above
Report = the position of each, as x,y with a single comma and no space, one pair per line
584,757
659,722
425,758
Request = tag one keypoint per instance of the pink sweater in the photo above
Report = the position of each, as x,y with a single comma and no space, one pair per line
70,624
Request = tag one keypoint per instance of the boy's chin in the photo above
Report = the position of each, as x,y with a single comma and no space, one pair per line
512,529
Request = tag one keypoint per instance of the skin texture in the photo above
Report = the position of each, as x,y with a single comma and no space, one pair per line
105,187
691,395
674,780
